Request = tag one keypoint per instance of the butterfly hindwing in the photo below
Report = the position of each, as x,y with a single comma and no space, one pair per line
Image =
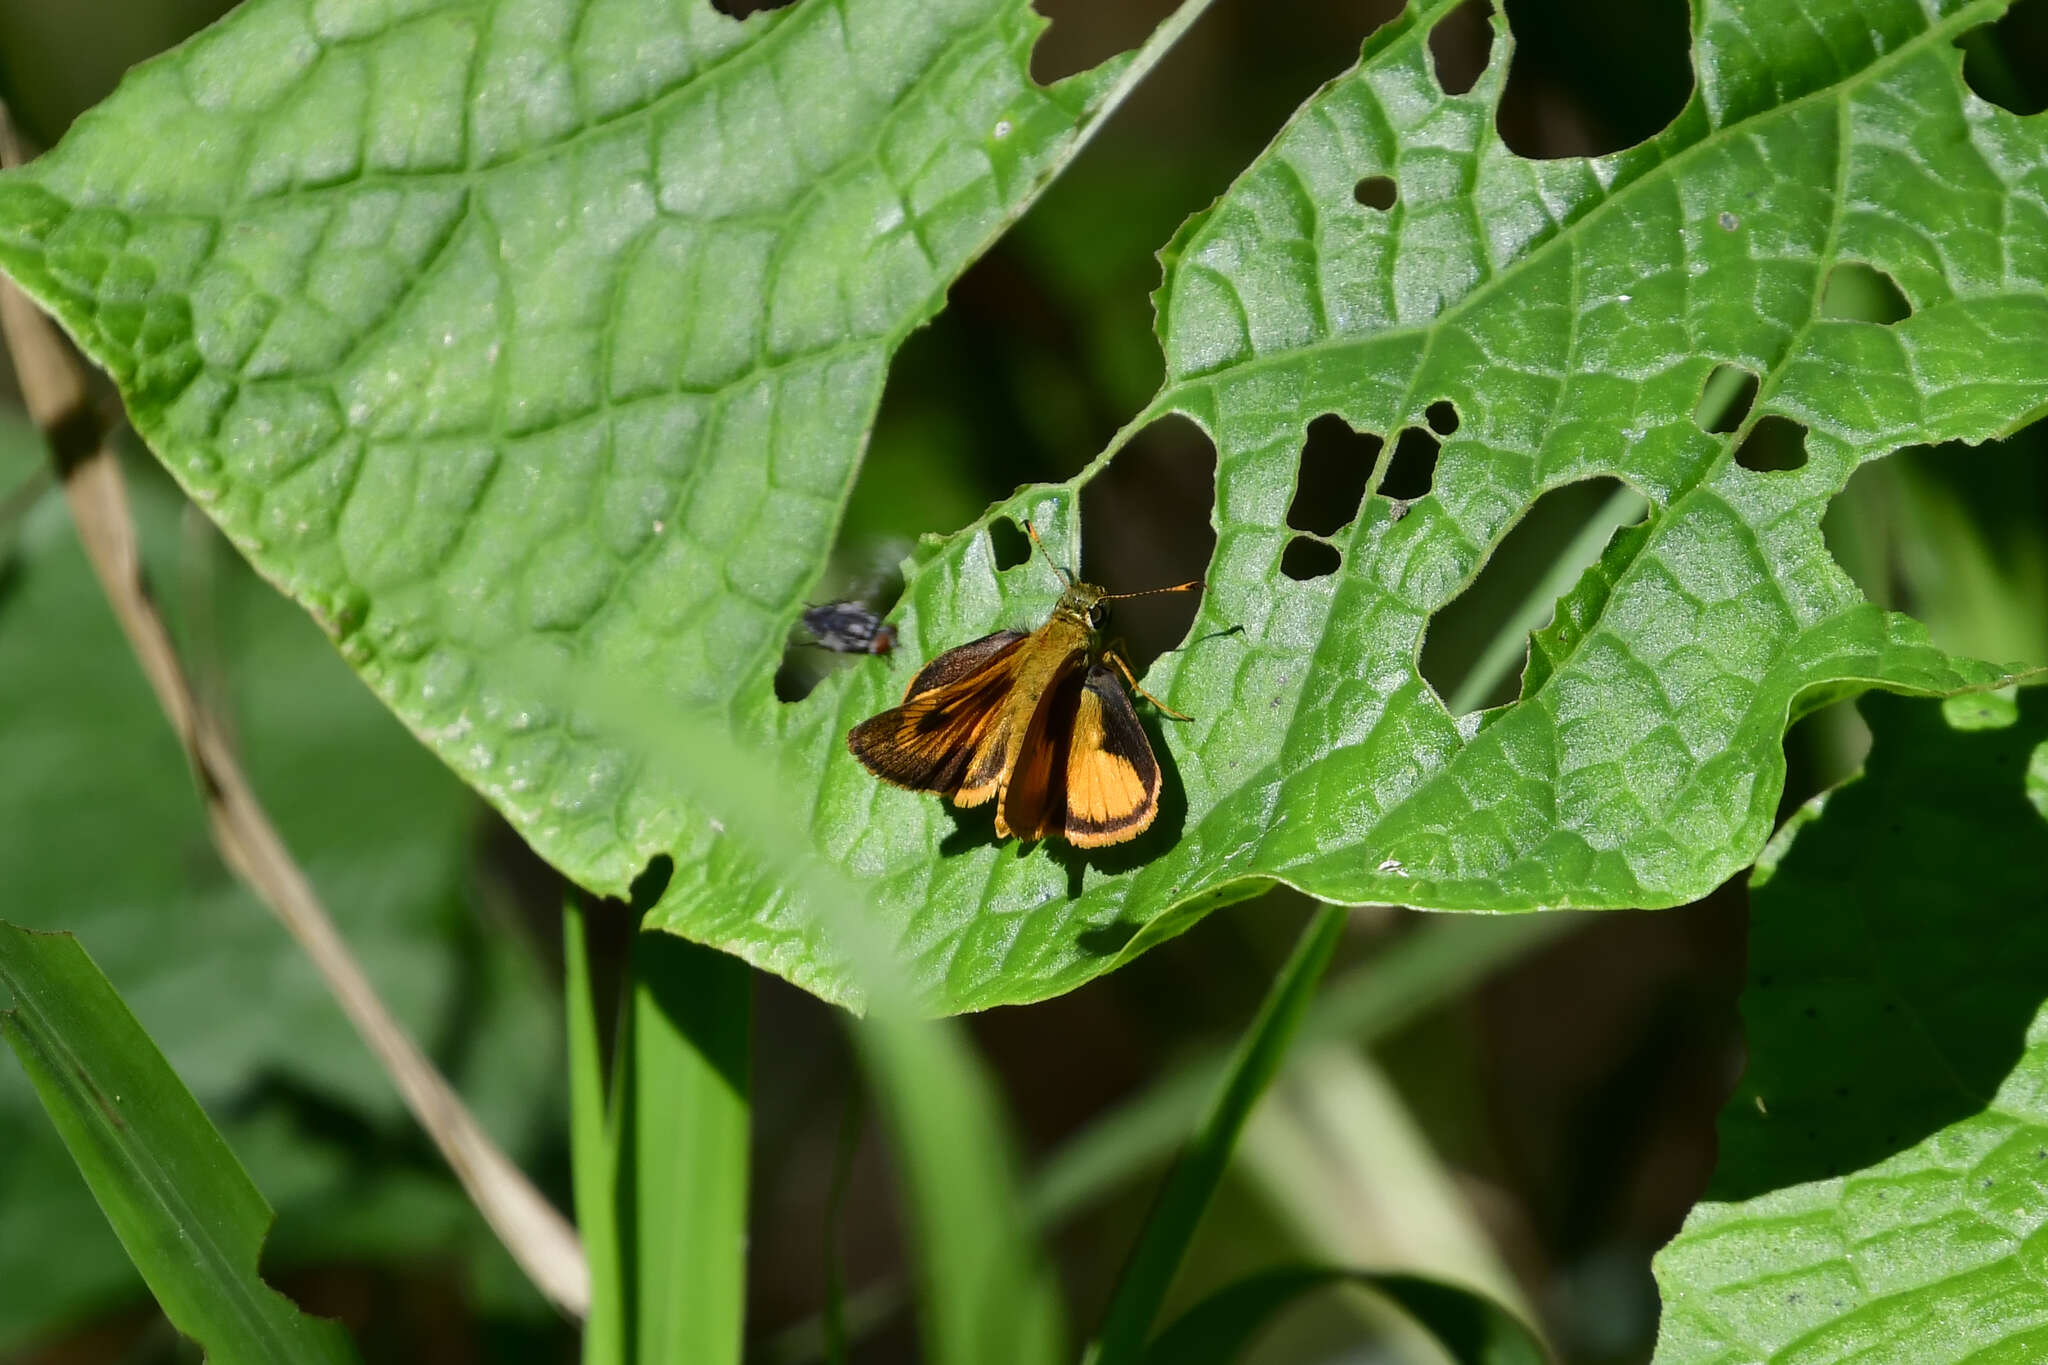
1112,778
1030,801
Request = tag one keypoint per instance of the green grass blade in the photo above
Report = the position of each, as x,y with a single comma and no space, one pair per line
1171,1226
682,1169
591,1150
985,1295
184,1209
1471,1328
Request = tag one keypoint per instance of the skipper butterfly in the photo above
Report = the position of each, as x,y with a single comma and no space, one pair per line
1037,723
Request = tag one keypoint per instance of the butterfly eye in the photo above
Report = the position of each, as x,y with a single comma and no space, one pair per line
1098,615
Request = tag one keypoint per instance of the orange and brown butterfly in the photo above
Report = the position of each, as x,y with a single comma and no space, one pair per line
1037,723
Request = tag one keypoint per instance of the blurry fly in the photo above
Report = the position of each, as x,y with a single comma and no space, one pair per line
849,628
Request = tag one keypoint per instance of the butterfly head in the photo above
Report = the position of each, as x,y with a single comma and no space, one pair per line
1083,604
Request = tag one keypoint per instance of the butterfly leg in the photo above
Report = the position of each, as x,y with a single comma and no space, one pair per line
1115,655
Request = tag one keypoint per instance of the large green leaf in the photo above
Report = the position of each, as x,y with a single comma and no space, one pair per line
185,1210
1883,1182
531,345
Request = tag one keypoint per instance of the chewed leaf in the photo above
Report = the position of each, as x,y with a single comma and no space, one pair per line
532,346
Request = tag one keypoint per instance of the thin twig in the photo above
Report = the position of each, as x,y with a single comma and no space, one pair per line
53,385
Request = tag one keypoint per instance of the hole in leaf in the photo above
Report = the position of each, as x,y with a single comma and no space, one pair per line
1306,558
1930,529
1725,400
1443,417
1587,80
1823,748
1863,293
1775,444
795,678
1336,463
740,9
1412,466
1460,45
1376,192
1008,543
1087,33
1461,632
1147,523
2002,62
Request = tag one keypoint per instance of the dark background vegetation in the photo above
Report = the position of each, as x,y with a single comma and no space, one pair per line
1569,1099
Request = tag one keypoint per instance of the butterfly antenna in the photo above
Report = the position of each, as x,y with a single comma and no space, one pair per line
1192,585
1064,575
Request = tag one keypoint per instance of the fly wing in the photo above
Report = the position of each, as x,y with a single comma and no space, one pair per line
1112,778
952,718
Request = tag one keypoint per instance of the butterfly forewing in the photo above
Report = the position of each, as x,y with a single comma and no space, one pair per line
964,662
951,715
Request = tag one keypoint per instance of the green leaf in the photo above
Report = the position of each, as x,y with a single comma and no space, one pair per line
384,832
182,1206
527,366
1883,1179
1471,1328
